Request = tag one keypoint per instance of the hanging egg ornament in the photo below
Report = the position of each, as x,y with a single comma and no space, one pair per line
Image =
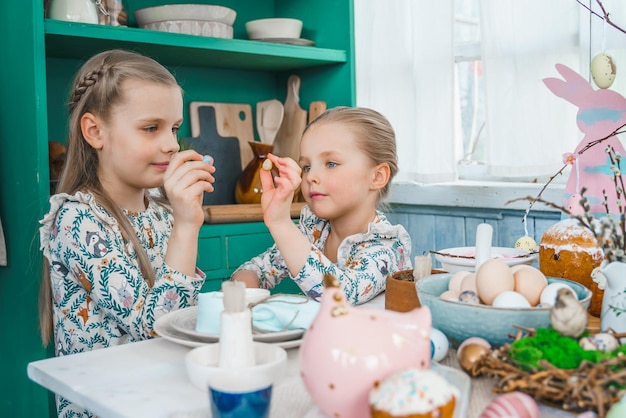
512,405
603,70
526,243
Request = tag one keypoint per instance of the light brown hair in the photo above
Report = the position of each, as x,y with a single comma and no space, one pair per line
375,135
97,89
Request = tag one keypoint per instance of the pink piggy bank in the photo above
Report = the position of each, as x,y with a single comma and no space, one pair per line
346,351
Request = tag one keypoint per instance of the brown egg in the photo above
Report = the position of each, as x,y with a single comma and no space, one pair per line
469,283
450,295
456,279
492,278
470,355
530,282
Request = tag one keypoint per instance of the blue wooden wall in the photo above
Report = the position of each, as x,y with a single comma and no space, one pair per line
435,228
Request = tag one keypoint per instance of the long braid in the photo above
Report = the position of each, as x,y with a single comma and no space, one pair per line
87,81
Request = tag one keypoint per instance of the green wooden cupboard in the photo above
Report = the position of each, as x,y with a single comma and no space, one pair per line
39,57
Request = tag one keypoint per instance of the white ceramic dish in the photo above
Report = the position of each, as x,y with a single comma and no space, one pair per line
275,27
202,369
164,329
184,321
287,41
462,258
185,12
193,27
454,376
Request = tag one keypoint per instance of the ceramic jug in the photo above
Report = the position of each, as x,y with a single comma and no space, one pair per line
347,350
614,302
73,11
248,188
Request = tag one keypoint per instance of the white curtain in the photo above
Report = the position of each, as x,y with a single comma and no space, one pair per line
405,69
528,127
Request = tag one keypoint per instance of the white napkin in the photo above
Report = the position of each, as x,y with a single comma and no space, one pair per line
276,313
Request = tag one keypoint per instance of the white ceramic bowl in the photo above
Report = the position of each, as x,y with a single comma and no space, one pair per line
207,12
202,368
460,321
274,28
193,27
511,256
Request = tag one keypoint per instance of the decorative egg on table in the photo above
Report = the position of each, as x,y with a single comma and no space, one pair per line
347,351
439,345
512,405
602,342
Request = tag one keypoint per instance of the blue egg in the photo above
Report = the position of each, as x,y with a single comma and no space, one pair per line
439,345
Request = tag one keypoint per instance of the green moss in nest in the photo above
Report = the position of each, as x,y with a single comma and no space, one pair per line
562,352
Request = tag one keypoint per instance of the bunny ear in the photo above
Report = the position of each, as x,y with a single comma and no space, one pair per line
574,89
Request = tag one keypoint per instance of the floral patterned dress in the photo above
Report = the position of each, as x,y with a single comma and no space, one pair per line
100,298
363,260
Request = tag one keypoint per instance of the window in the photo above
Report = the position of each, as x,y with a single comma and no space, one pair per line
462,81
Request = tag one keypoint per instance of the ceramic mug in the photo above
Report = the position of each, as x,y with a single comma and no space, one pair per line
240,404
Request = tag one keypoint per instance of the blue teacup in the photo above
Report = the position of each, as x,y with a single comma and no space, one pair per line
255,404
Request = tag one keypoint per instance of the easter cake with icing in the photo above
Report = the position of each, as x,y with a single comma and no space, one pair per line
413,393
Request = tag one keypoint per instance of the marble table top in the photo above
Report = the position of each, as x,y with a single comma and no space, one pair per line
148,379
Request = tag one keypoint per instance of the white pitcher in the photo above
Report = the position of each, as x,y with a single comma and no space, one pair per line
614,302
73,11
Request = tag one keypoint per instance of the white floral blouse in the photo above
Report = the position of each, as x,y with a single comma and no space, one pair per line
363,260
100,298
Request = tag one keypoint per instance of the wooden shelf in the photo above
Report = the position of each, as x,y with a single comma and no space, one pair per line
82,40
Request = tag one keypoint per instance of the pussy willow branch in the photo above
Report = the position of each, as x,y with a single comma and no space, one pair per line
551,179
605,14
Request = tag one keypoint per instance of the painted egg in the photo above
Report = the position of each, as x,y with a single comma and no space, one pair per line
473,340
526,243
512,405
439,345
470,355
603,70
510,299
469,297
587,414
602,342
548,295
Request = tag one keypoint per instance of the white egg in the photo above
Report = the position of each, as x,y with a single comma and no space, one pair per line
603,70
548,296
510,299
439,344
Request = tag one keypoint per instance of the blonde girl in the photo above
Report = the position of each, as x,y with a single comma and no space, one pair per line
117,257
347,160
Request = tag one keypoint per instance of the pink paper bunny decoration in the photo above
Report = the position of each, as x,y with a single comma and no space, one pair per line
600,112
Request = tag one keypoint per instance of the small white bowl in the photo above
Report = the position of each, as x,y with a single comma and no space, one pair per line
511,256
185,12
202,365
274,28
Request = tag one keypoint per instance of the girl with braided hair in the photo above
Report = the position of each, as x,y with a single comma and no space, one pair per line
116,256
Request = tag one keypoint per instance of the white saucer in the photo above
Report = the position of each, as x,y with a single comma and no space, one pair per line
288,41
163,327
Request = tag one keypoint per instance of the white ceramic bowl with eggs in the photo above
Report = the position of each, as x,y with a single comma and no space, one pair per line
462,258
460,321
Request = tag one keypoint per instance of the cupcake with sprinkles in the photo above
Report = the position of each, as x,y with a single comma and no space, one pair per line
413,393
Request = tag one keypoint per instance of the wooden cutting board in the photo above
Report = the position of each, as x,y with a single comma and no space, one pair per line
224,150
287,142
315,109
233,120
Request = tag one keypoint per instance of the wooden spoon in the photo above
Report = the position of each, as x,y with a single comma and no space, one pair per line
269,117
